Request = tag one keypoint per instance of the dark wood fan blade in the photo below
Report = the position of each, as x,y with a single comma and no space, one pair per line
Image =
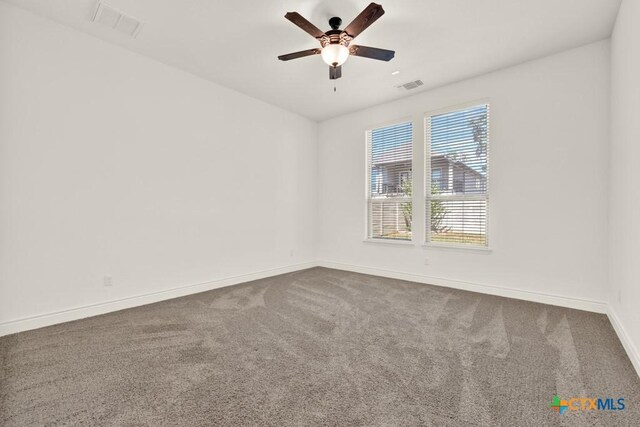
335,72
367,17
372,52
301,22
300,54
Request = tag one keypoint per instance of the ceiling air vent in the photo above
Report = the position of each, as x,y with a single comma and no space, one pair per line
117,20
410,85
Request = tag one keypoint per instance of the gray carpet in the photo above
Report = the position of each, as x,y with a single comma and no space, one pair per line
319,347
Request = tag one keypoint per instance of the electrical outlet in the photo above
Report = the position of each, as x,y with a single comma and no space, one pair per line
426,261
108,281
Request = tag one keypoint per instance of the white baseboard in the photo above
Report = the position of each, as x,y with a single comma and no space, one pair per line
630,348
48,319
562,301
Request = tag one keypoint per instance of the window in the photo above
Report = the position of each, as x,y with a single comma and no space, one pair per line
389,182
457,170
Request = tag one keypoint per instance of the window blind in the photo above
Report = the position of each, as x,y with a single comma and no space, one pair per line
457,176
389,182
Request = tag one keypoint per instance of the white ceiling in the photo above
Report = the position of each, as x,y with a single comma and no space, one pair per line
235,42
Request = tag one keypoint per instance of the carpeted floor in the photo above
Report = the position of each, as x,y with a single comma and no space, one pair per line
319,347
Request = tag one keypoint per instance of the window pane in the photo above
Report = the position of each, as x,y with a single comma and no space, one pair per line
458,149
390,165
390,219
459,221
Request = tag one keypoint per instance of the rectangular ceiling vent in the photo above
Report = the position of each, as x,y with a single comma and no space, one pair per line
111,17
410,85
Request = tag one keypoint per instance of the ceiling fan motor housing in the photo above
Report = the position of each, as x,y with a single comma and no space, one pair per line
335,37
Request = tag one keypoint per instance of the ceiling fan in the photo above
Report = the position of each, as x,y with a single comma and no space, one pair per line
336,44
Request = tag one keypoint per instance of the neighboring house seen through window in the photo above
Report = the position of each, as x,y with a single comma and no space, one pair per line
389,188
456,187
436,178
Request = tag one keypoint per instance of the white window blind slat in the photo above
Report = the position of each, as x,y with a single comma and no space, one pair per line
457,172
389,182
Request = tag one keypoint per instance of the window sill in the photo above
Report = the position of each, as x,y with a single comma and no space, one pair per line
390,242
478,249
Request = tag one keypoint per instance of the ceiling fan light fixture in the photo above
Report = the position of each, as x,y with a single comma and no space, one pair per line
335,54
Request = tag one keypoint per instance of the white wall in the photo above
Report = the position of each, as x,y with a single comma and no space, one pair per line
548,180
624,220
114,164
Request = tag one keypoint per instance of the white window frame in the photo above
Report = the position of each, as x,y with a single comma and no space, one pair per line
427,175
367,186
